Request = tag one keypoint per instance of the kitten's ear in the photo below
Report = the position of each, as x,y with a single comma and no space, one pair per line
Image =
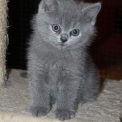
48,5
92,11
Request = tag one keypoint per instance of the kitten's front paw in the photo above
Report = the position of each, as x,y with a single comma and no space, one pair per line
64,114
39,111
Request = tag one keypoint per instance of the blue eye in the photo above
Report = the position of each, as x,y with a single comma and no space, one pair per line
75,32
55,28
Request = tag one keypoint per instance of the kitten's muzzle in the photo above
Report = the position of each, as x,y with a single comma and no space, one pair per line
64,38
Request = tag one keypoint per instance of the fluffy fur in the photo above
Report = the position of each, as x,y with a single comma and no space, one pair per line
62,72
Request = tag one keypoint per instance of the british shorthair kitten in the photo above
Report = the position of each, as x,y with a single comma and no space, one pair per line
59,68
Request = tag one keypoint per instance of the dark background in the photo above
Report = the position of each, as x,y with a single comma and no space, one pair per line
19,16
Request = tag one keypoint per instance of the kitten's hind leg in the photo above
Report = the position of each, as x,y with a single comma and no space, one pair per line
91,88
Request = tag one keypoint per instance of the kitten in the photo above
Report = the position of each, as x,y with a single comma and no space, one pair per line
59,67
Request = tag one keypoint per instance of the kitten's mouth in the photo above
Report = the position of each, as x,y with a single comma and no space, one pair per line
62,44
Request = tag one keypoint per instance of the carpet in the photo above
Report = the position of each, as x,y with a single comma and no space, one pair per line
15,101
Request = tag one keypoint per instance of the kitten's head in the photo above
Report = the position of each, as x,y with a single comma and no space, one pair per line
66,23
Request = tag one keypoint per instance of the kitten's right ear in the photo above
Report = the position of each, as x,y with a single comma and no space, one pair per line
91,11
48,5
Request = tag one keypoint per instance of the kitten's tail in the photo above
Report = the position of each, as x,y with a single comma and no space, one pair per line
24,75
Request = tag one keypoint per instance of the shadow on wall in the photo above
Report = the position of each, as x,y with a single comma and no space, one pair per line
107,48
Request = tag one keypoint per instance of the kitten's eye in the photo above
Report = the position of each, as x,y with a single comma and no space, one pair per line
56,28
74,32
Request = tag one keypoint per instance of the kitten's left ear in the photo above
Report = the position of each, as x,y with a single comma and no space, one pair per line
92,11
48,5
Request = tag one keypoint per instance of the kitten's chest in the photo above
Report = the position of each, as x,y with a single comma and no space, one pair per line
54,60
53,74
53,70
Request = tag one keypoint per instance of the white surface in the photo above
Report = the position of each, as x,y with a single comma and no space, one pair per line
15,100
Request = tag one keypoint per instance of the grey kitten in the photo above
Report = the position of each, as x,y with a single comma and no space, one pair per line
59,67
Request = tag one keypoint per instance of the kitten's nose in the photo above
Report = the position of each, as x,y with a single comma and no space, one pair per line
64,38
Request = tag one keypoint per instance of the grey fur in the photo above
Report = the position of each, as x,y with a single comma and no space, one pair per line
62,72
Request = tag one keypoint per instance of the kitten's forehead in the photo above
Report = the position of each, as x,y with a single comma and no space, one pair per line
68,14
